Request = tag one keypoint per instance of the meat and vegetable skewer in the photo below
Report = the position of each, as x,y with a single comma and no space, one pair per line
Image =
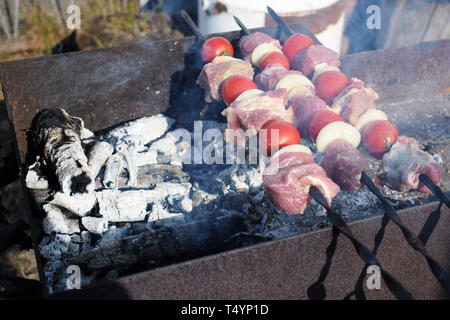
255,110
405,159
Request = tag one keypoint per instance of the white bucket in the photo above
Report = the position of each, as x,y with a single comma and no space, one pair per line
254,14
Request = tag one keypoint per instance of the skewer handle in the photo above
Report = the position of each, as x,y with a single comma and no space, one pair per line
366,255
287,30
435,189
241,25
280,22
192,25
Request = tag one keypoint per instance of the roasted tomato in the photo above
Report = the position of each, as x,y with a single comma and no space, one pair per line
234,86
272,58
216,46
329,84
378,137
287,135
296,43
320,119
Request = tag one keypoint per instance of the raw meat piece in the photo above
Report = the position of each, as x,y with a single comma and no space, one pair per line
217,71
344,165
403,164
306,60
248,43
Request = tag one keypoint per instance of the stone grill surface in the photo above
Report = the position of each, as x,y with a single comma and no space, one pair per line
111,86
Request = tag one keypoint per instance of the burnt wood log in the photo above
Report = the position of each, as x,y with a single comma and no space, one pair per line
58,136
165,245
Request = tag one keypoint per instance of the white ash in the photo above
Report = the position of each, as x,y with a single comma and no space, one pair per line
128,147
146,158
57,222
144,129
86,134
98,155
34,178
94,224
113,168
160,216
79,204
118,206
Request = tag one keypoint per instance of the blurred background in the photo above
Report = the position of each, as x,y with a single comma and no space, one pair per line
33,28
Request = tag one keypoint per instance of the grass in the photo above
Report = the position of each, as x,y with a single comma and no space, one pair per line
104,23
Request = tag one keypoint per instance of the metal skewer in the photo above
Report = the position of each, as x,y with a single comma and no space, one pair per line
241,25
200,36
390,212
435,189
366,255
287,30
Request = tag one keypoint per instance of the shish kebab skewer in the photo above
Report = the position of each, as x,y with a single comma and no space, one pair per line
310,173
436,269
374,123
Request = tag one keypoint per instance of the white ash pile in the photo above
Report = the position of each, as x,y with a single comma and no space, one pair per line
122,182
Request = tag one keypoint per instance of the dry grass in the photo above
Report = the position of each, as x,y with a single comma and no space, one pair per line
104,23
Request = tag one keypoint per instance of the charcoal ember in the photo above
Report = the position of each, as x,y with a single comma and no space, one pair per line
151,175
131,205
113,168
54,246
57,222
94,224
98,155
159,216
79,204
58,135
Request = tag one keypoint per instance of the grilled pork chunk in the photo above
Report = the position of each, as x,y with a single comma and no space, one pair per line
289,178
252,113
354,100
344,164
306,60
403,164
248,43
304,107
217,71
268,79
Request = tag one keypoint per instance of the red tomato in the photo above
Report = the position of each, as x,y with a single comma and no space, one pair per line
274,57
329,84
296,43
234,86
216,46
287,135
378,137
320,119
